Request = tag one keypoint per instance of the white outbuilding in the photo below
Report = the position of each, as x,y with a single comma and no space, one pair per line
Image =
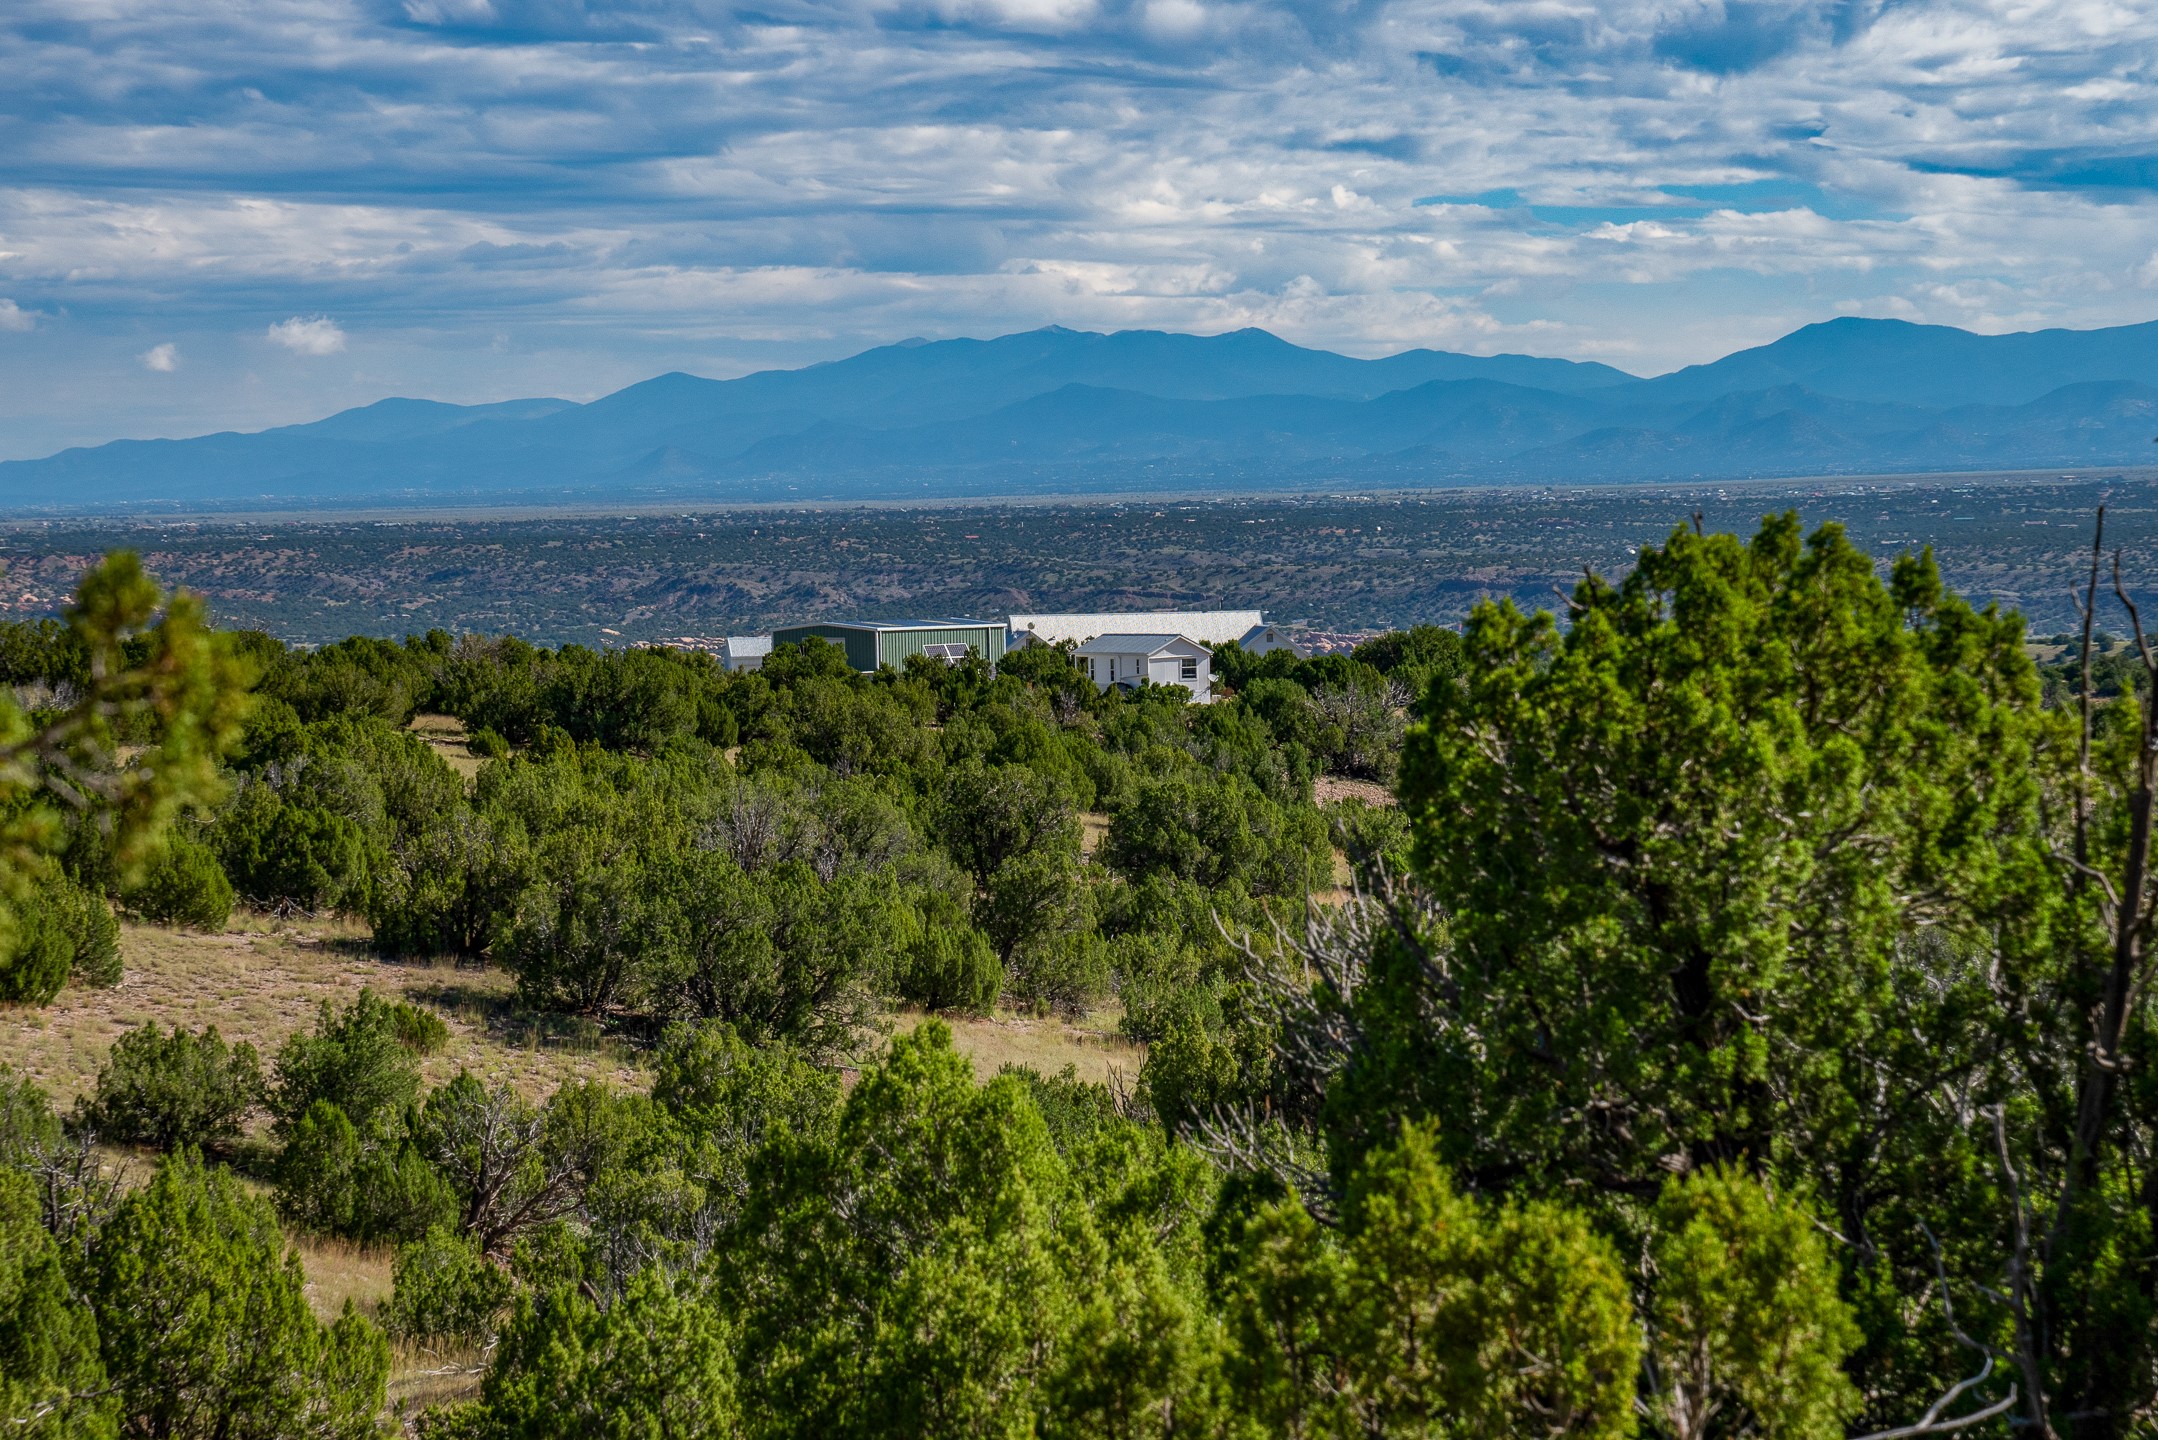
1130,660
1260,639
745,652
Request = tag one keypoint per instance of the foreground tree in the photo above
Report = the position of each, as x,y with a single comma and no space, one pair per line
1747,1332
1761,866
206,1331
653,1365
1433,1314
52,1382
1716,809
143,668
2070,1148
899,1274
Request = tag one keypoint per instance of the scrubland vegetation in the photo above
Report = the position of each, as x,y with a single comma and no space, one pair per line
1738,1028
1340,562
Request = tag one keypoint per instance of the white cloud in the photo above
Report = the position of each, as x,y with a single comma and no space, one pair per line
1175,19
449,12
1649,180
317,337
164,359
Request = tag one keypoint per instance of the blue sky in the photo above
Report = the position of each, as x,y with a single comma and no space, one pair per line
223,215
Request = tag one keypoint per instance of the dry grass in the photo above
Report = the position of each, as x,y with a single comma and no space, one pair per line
1090,1045
338,1271
445,735
263,979
1093,829
421,1379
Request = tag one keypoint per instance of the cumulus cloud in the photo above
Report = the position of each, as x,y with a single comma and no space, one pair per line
14,317
164,359
657,183
318,336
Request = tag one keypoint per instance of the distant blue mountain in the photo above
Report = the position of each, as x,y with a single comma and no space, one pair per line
1073,411
1897,362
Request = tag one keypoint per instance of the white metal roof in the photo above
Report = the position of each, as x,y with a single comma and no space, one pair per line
1133,644
744,646
1208,627
954,622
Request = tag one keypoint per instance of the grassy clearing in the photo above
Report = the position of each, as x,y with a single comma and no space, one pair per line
262,980
1090,1046
445,735
338,1271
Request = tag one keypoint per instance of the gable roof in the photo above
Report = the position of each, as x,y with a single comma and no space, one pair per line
1135,644
1208,627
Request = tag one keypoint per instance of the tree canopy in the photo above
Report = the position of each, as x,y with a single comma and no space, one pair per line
1738,1028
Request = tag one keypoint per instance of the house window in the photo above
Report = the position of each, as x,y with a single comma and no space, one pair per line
1188,668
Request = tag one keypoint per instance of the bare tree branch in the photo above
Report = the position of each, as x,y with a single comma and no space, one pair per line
1238,1139
2019,1284
2083,747
1931,1422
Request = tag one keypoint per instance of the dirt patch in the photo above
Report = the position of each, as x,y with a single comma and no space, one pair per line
1093,830
1328,788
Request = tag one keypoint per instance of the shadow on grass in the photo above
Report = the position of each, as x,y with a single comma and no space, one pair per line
498,1014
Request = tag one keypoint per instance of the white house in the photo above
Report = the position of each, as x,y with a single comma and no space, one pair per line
1259,639
745,652
1156,659
1208,627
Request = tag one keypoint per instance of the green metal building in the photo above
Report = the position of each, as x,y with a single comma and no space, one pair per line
871,643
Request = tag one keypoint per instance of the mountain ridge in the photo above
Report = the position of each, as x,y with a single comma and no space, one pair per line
1082,410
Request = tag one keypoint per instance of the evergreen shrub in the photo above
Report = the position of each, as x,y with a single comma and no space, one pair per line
183,885
174,1088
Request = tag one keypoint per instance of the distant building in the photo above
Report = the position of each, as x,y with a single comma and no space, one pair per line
1128,660
1208,627
745,652
1261,639
873,643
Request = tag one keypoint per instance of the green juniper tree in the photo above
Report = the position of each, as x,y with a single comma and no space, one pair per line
141,666
174,1089
52,1381
204,1324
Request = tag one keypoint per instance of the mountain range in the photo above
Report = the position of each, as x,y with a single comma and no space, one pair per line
1064,411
